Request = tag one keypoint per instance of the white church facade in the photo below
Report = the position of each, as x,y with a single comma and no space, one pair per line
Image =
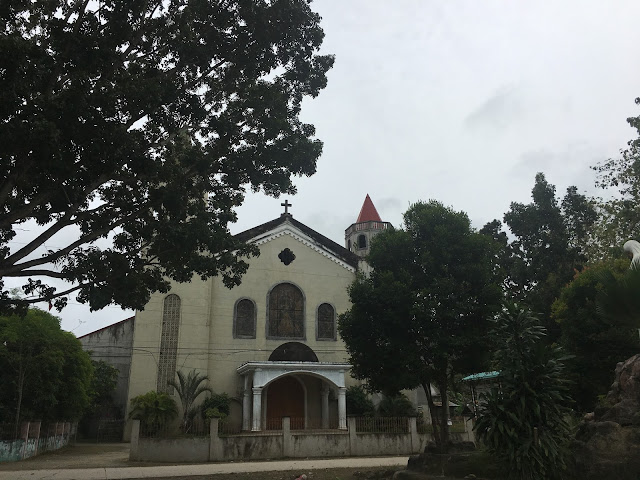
271,342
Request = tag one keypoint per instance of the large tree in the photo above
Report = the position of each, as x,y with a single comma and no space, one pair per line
549,244
44,372
145,123
422,314
619,212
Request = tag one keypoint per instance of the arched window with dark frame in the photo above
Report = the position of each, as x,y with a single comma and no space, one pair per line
285,312
244,319
362,241
168,343
326,327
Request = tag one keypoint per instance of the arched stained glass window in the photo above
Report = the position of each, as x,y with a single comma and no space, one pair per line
326,322
168,342
244,320
285,312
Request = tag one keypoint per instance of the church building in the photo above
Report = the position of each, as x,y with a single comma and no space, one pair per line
271,342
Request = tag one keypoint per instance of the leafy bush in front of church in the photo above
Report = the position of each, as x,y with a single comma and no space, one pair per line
359,403
155,411
396,406
217,405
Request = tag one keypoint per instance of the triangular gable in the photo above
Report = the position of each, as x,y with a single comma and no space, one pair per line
287,225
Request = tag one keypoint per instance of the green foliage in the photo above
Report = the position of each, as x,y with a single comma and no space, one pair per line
154,410
189,388
396,406
619,213
619,302
217,405
103,384
550,244
210,413
596,341
146,122
44,372
358,402
523,422
421,315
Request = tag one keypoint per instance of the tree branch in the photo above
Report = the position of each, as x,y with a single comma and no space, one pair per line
44,273
40,239
57,295
26,210
11,270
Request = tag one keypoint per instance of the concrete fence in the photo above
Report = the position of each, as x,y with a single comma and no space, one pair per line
281,444
34,438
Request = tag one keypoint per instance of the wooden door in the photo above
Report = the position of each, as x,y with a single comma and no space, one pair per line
285,398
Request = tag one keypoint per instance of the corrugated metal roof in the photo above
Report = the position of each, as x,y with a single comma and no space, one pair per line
481,376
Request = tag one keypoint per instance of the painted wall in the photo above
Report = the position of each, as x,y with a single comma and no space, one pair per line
113,345
282,444
35,440
169,450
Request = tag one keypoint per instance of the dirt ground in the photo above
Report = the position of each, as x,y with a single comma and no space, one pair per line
323,474
88,455
319,474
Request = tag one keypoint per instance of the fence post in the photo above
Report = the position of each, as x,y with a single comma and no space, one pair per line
37,435
134,453
215,443
413,430
287,439
24,435
468,428
351,421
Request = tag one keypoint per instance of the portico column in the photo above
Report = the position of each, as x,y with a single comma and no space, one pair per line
342,408
257,409
246,404
325,406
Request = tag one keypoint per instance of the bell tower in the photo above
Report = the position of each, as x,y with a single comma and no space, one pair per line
358,236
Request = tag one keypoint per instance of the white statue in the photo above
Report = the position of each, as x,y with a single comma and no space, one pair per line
633,247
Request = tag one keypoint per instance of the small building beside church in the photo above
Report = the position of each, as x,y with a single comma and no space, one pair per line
271,342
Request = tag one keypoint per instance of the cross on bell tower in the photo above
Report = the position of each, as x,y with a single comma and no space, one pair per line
286,206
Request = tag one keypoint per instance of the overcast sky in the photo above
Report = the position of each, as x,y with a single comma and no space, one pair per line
458,101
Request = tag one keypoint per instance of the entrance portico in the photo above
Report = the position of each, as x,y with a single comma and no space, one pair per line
259,375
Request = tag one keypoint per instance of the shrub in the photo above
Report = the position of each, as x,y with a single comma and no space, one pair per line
154,410
523,423
189,387
217,405
396,406
359,403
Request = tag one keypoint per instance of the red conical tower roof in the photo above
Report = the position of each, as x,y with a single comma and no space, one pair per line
368,212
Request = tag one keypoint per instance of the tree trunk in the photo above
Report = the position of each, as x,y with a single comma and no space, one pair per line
432,411
21,377
444,420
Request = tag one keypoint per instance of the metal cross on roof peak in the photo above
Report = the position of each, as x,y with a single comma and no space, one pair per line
286,206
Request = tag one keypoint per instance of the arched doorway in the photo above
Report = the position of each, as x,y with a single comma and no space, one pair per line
285,398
